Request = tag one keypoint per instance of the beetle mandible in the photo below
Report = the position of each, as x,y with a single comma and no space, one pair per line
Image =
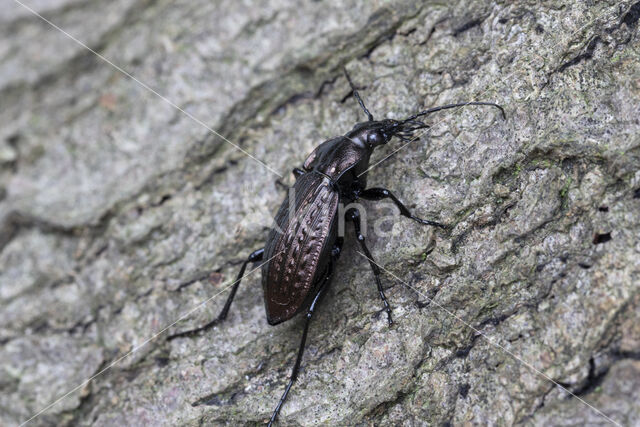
302,250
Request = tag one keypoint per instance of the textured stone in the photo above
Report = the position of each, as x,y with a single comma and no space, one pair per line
116,207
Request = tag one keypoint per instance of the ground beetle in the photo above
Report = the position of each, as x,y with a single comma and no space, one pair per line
302,250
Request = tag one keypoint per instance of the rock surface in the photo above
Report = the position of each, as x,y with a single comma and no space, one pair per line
115,207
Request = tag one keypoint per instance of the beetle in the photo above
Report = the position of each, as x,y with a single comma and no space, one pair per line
302,249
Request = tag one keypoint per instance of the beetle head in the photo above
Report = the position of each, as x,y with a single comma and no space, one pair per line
379,132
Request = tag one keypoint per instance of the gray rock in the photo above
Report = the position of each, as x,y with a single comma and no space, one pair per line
120,214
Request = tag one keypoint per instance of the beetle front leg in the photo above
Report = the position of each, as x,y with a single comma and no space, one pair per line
353,215
383,193
254,257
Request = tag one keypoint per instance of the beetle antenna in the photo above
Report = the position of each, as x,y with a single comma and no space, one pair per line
446,107
357,95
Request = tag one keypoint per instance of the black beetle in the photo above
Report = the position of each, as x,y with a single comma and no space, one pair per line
302,250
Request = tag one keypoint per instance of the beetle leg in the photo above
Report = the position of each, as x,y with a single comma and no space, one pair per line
383,193
297,172
254,257
337,248
335,253
353,215
281,184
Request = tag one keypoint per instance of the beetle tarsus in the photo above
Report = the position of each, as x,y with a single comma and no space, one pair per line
429,222
387,308
196,331
382,193
255,256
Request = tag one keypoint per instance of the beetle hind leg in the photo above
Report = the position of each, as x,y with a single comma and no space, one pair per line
255,256
335,253
382,193
353,215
